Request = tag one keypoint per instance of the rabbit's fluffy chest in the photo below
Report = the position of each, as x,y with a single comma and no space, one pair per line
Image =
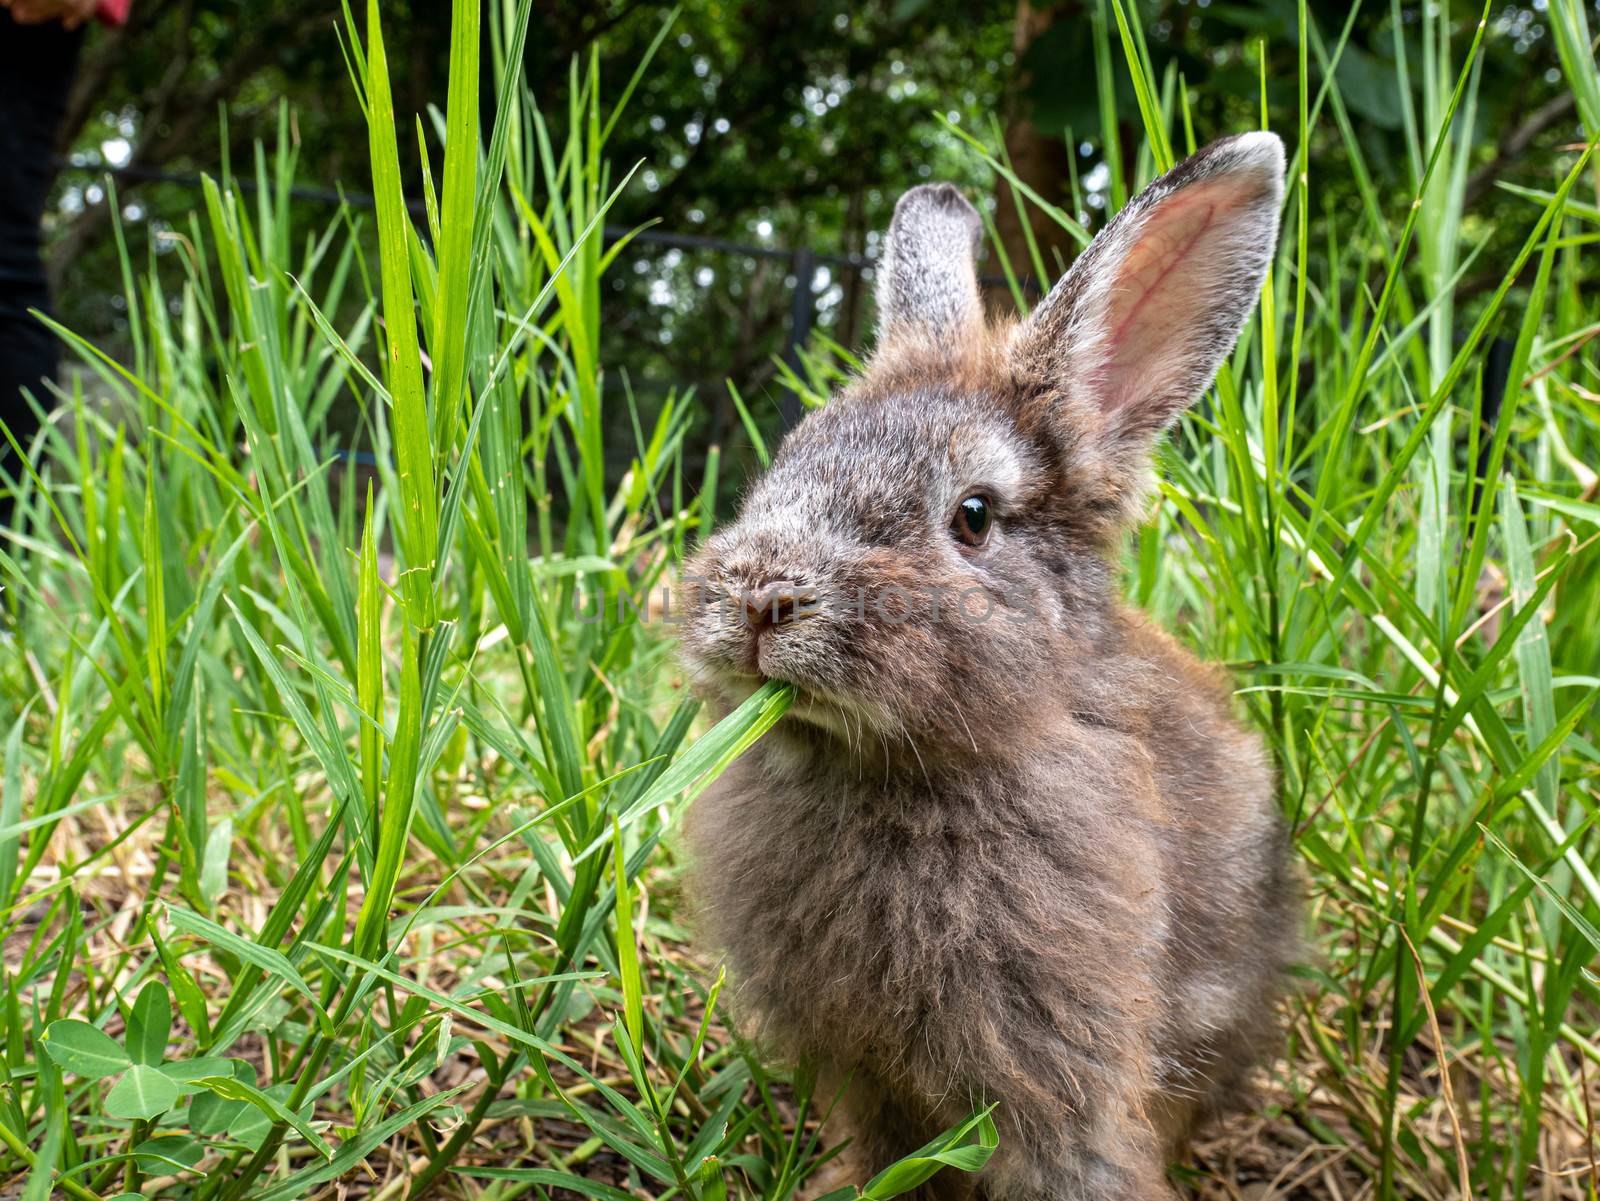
901,924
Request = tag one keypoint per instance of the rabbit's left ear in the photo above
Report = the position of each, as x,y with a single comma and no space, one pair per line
1139,324
928,280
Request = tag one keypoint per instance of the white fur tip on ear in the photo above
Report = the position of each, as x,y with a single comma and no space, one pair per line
940,202
1256,151
1259,145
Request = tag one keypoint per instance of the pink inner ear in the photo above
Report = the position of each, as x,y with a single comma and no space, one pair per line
1164,289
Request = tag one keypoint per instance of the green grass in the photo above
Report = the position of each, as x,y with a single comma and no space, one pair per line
336,815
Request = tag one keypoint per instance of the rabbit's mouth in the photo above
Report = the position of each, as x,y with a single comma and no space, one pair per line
814,705
840,716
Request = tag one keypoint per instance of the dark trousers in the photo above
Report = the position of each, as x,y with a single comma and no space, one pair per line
36,65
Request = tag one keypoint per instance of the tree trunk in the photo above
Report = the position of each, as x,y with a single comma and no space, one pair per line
1039,160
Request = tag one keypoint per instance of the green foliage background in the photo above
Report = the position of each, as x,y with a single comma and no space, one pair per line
336,817
784,125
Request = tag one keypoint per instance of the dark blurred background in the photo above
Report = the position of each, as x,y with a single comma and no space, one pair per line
788,126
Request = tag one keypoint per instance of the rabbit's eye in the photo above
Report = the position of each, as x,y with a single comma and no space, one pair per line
972,520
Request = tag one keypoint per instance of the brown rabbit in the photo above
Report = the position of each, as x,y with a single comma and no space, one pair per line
1009,844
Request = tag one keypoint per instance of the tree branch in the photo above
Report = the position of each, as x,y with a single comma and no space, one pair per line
1515,143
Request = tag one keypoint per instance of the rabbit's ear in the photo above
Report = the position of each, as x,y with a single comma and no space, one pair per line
1140,323
927,281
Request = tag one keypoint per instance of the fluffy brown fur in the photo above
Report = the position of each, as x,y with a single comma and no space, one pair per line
1029,858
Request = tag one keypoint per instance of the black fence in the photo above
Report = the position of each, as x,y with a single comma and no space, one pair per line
802,261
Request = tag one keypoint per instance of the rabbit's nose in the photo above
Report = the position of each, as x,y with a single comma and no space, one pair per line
778,602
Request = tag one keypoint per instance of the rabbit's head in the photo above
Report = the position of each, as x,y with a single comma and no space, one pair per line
927,556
